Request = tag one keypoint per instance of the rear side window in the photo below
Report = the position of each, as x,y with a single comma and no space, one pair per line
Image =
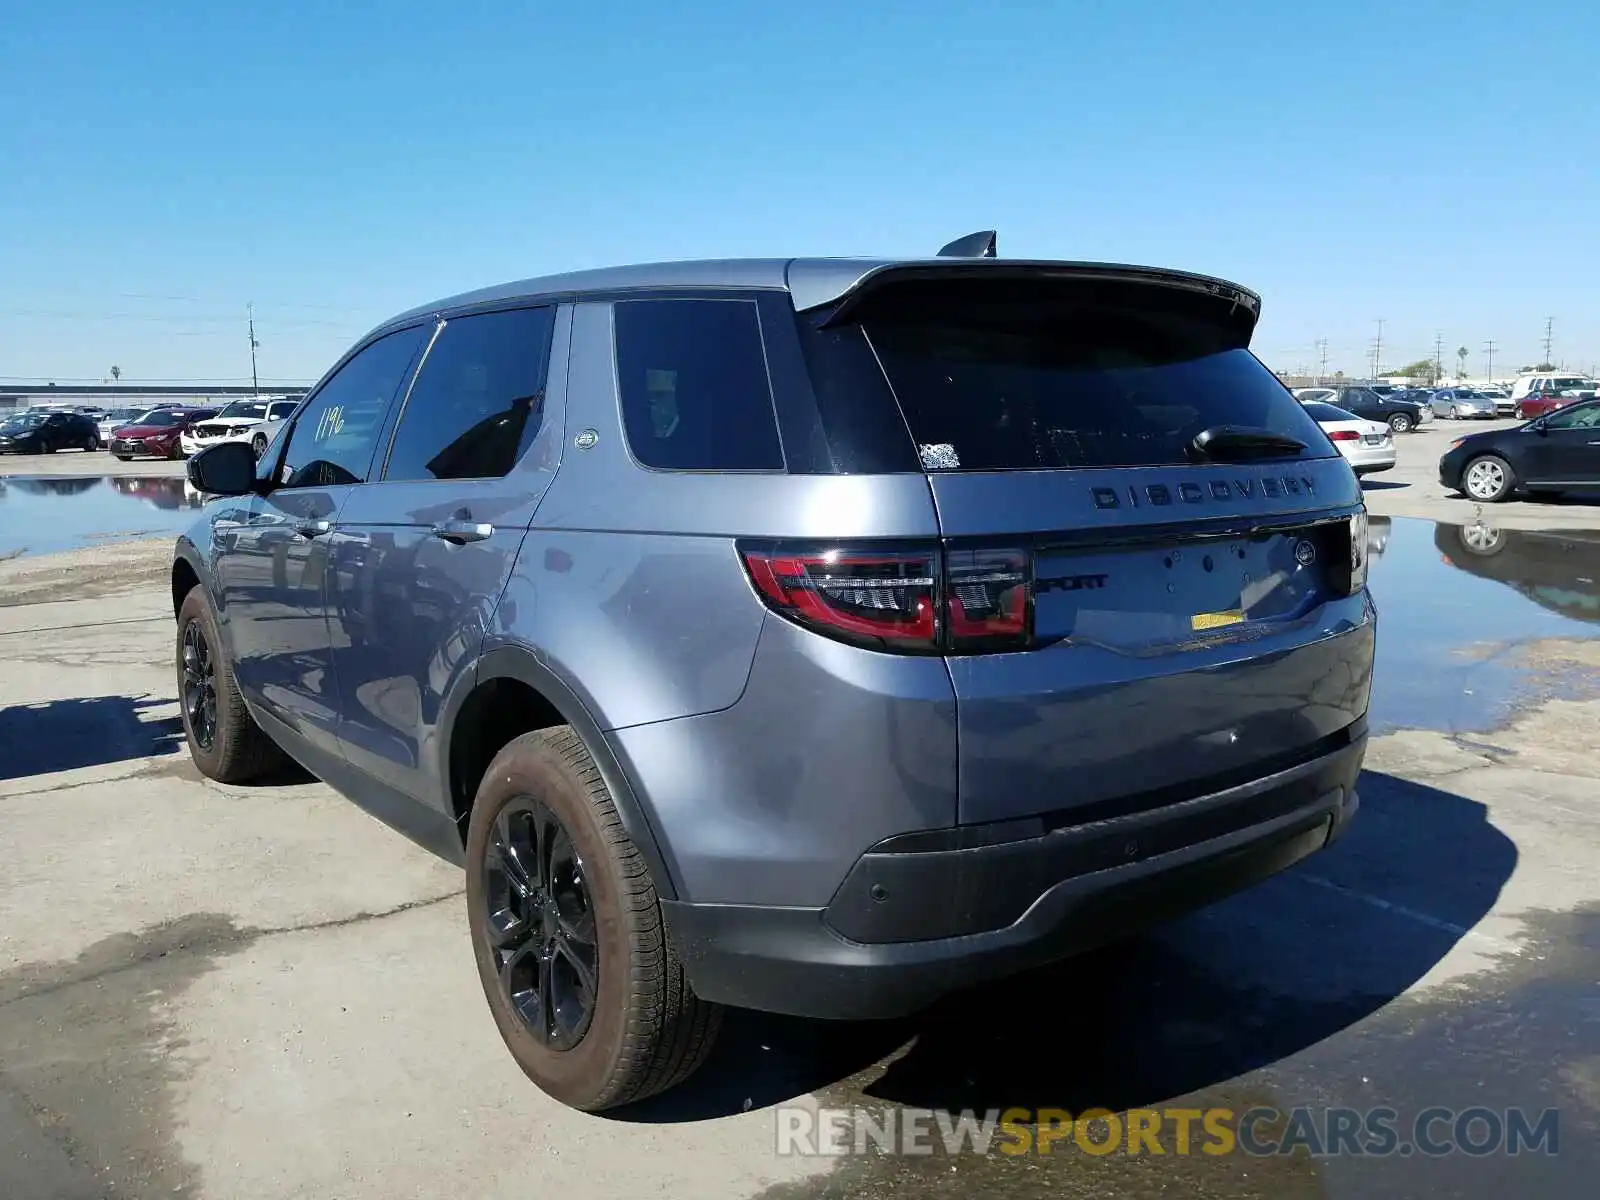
478,400
1051,377
694,385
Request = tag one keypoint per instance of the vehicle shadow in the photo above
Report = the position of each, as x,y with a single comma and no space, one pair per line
1382,485
62,735
1230,989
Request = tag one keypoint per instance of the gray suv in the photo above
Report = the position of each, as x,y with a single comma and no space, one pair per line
818,636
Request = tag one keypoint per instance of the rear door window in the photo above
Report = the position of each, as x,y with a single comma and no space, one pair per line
1044,382
694,385
478,399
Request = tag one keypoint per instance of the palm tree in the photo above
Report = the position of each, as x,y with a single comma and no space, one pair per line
1461,361
116,373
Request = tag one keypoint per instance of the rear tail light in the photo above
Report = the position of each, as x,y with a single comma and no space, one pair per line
988,599
1345,543
1344,435
887,600
911,600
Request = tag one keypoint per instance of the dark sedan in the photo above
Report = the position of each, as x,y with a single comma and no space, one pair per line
1401,416
156,433
1552,454
40,432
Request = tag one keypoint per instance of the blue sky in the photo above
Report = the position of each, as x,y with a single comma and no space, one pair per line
162,165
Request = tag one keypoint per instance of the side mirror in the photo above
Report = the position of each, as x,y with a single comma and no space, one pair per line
226,469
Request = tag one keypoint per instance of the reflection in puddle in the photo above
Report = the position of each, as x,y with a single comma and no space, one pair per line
47,515
1460,609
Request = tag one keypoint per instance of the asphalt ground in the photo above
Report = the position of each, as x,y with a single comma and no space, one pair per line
225,992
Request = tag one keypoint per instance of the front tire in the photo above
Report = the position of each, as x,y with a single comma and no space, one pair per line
224,740
573,953
1488,479
1400,423
258,444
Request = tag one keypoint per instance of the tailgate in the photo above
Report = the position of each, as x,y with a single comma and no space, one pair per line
1196,609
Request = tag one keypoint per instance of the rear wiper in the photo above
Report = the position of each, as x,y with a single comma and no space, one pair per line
1234,443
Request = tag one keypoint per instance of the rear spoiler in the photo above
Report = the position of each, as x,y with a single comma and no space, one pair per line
816,284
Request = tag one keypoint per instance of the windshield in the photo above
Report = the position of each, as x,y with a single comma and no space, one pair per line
158,419
28,420
254,410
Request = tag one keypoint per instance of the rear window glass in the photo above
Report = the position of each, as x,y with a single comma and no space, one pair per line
1326,412
695,392
1078,378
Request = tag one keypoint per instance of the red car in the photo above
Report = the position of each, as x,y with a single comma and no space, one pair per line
155,434
1545,400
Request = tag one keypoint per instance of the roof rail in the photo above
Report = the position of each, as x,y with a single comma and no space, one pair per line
974,245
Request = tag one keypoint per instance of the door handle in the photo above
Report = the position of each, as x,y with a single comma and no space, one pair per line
313,529
461,532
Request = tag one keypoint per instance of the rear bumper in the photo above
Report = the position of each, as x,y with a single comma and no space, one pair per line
1070,890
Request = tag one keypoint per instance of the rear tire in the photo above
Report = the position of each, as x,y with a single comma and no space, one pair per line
229,747
639,1028
1488,479
91,444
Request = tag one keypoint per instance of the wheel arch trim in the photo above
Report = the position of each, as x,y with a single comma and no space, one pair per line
519,664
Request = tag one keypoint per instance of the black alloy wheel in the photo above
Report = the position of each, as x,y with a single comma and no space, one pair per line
199,685
540,923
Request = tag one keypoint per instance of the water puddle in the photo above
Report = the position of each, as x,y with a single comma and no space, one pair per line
45,515
1463,615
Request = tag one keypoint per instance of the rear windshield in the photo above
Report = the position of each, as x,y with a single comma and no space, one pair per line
1327,412
1036,379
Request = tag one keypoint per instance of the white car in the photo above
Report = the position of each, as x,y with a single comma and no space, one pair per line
1367,446
116,419
1308,395
252,421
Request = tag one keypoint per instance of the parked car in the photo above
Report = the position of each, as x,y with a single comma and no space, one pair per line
1366,445
250,421
1558,452
1459,404
1314,395
155,434
1401,416
114,420
1504,405
45,432
704,613
1543,401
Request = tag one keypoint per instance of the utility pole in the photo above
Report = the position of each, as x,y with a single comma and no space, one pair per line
1549,327
250,312
1488,360
1438,357
1377,351
1322,361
